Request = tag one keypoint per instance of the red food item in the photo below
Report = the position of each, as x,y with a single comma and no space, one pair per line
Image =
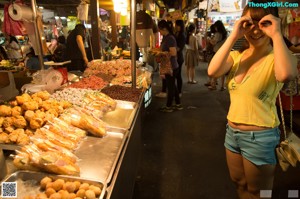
91,82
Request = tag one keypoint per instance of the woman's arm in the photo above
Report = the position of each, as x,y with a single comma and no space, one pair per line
285,64
80,44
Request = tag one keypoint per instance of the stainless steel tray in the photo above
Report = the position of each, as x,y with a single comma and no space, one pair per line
122,116
99,156
28,182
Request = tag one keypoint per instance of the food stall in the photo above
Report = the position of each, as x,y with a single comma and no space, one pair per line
106,157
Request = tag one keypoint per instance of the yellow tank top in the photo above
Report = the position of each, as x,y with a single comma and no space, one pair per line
253,100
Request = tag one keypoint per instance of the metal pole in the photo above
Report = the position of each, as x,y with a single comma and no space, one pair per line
133,41
37,35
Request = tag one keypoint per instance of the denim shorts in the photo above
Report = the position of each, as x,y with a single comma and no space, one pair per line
256,146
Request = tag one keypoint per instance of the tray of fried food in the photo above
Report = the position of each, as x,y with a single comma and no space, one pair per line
32,185
21,117
81,118
52,160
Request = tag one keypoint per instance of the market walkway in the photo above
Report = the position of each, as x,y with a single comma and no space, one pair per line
183,155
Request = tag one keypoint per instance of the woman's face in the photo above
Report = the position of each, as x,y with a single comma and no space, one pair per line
256,36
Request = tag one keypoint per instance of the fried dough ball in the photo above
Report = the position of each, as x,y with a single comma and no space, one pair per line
46,105
36,123
89,194
38,100
1,121
55,196
4,138
19,122
49,191
7,122
70,187
30,105
58,184
29,115
84,186
23,98
16,111
72,196
64,194
81,193
29,197
5,110
96,190
45,181
77,184
41,196
49,185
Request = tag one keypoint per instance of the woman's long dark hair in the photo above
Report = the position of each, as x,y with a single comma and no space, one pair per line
190,30
180,23
221,29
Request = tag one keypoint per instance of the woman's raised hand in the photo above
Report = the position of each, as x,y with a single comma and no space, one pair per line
242,26
270,25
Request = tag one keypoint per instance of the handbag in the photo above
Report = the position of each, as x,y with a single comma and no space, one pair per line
288,151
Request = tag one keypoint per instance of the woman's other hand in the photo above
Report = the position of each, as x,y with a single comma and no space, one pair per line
270,25
241,27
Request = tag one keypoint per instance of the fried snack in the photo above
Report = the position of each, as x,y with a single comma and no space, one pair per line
9,129
49,117
53,112
23,139
1,130
30,105
46,105
40,114
59,123
1,121
38,100
13,136
29,132
36,123
22,161
5,110
7,122
13,103
4,138
44,95
65,104
19,122
90,124
29,115
21,99
16,111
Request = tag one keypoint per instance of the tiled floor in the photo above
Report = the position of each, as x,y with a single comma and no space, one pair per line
183,154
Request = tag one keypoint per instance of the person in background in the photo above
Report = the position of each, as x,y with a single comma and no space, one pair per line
168,50
59,54
75,49
163,93
255,77
192,54
13,48
292,47
180,40
219,37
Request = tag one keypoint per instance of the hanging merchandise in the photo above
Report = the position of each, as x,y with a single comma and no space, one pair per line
82,11
11,26
19,12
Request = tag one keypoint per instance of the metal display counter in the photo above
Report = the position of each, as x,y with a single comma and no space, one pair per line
111,160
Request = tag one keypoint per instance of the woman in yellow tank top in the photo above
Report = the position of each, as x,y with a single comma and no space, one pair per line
255,77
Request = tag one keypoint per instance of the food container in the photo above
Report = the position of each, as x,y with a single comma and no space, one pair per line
28,182
3,169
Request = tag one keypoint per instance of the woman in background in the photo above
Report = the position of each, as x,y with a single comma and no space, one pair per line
180,40
192,54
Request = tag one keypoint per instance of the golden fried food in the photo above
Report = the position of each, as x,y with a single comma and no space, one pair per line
46,105
13,103
29,132
40,114
53,112
9,129
13,136
30,105
29,115
21,99
7,122
44,95
19,122
65,104
50,191
96,190
45,181
1,121
16,111
89,194
49,116
38,100
36,123
4,138
1,130
5,110
58,184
